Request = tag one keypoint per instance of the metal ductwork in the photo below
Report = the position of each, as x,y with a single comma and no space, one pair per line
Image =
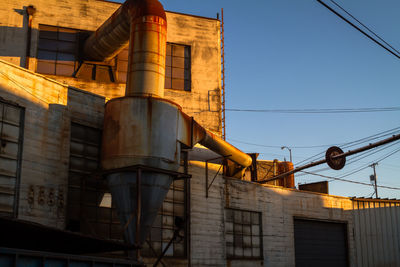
142,128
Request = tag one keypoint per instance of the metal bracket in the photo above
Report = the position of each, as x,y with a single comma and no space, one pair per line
208,186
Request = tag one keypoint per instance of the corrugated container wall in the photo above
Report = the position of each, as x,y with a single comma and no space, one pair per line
377,232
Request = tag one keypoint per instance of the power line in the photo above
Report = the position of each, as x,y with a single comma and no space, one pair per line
358,29
371,31
362,168
273,146
350,181
370,153
318,111
372,137
358,158
356,142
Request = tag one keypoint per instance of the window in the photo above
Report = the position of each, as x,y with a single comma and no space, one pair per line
90,206
163,228
243,234
177,67
11,130
87,210
57,50
58,54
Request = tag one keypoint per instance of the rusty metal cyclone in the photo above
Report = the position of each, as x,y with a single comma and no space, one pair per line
142,128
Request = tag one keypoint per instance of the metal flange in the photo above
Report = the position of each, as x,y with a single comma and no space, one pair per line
336,163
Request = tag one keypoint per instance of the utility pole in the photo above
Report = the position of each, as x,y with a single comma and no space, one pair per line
376,187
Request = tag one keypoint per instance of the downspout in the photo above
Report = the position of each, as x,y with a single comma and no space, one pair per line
30,11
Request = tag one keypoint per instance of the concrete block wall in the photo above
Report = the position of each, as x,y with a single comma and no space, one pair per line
202,34
49,109
278,206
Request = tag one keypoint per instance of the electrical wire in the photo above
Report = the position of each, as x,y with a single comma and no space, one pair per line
357,28
371,31
274,146
350,181
354,143
362,140
340,178
318,111
359,157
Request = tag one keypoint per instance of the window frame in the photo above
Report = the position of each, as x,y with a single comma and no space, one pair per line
186,239
20,143
56,61
232,232
188,69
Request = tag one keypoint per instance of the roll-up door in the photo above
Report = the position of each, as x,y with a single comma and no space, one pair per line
320,243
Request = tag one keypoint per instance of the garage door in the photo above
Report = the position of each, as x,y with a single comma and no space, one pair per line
319,243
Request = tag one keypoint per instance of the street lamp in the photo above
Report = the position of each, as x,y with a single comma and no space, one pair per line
290,152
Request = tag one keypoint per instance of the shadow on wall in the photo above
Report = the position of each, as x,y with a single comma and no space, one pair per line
13,40
49,44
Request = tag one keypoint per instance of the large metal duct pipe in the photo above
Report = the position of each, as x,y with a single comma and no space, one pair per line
110,38
144,24
219,146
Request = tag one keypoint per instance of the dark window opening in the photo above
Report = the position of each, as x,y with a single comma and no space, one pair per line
177,67
243,234
90,206
11,131
163,227
57,50
59,54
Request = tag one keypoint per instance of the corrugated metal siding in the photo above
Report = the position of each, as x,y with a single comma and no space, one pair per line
11,119
377,232
320,243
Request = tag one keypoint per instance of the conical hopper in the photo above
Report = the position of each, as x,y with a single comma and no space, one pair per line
154,187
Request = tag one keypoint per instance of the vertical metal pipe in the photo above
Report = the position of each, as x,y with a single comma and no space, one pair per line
206,179
138,210
147,52
30,11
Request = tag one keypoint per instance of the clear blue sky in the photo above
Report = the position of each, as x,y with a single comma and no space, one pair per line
287,54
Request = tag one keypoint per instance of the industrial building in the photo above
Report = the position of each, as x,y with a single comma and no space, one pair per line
107,146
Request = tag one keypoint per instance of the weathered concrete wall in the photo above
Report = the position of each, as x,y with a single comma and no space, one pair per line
278,207
202,34
49,109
